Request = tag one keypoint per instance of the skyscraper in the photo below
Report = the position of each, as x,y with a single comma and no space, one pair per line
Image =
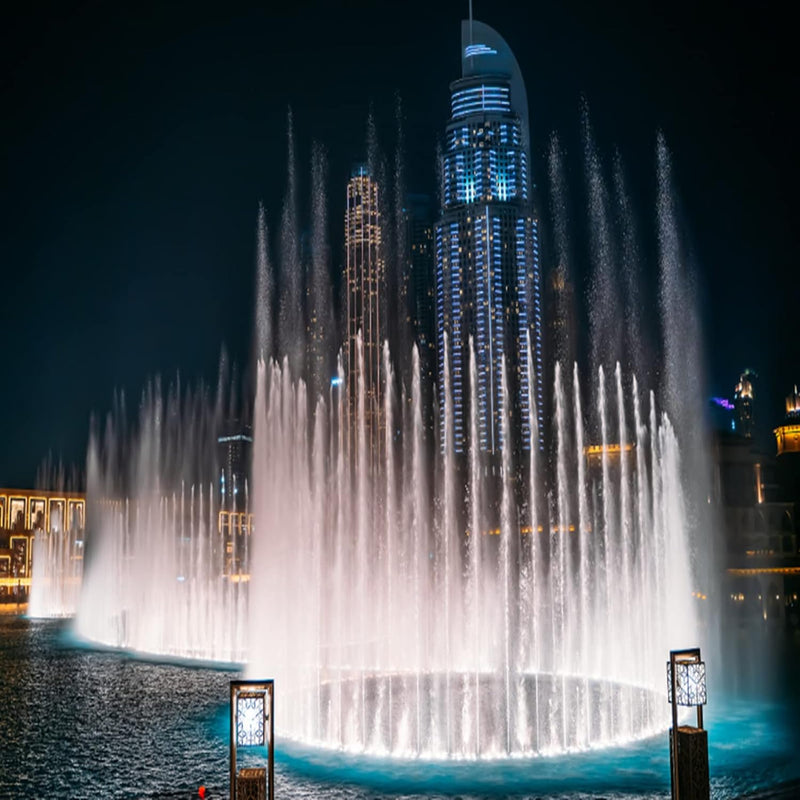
486,244
364,287
234,449
743,398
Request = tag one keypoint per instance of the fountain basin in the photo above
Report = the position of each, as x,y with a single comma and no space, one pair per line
464,716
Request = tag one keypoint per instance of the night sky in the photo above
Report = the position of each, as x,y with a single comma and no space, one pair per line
138,139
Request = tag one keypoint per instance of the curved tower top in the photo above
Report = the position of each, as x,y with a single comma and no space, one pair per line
485,52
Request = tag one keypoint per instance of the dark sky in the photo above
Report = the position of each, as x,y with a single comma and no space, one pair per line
137,140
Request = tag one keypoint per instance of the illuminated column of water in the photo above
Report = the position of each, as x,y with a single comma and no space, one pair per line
126,573
659,527
171,546
187,586
526,737
533,660
359,644
304,555
338,628
474,575
192,576
585,537
182,610
681,621
228,621
509,535
214,598
643,588
420,539
288,521
199,607
142,554
153,546
447,534
56,572
605,548
625,594
558,555
390,560
275,518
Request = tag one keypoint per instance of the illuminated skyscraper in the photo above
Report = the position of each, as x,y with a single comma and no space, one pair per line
234,447
743,398
364,279
486,244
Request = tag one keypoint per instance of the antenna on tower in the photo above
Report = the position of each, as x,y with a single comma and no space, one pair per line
470,22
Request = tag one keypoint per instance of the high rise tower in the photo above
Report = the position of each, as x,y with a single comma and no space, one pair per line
486,244
364,279
743,398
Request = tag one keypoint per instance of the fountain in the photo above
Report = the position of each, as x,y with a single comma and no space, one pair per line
158,577
392,631
57,568
455,608
435,607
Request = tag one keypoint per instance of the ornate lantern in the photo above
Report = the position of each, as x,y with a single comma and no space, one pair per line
688,745
252,725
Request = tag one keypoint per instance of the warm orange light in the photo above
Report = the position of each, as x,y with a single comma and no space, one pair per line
610,449
787,438
765,571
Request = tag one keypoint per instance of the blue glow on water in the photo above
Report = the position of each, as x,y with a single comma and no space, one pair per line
749,749
68,639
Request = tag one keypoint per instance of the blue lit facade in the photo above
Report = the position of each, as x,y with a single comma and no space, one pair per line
486,244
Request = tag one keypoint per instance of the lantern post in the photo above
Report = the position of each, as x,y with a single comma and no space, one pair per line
253,725
688,745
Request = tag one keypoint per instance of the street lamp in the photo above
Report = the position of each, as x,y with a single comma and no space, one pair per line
252,725
688,745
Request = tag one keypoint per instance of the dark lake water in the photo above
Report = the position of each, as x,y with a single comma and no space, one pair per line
81,723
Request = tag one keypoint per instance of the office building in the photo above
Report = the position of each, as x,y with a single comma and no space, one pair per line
486,245
364,291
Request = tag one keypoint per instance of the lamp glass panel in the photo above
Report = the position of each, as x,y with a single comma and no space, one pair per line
690,683
250,714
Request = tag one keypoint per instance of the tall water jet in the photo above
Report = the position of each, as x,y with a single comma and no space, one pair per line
291,324
57,519
636,344
605,334
320,295
563,345
683,382
154,541
264,289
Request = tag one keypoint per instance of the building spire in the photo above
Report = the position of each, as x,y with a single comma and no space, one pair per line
470,22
